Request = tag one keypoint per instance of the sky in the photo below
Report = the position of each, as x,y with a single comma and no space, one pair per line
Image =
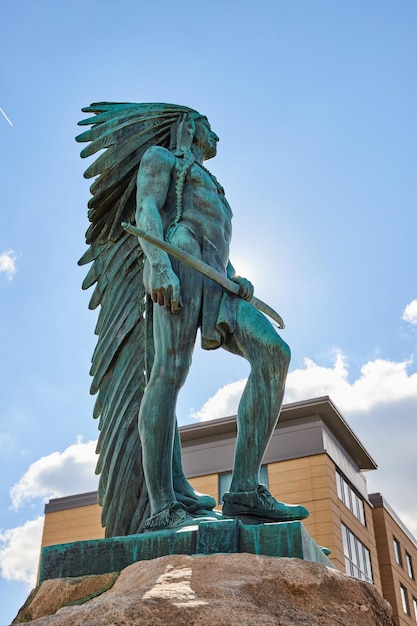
314,102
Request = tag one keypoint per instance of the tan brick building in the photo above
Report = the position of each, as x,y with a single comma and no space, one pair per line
397,553
314,459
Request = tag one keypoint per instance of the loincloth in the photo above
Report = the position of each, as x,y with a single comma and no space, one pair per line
218,308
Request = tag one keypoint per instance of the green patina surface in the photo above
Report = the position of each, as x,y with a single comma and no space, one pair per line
284,539
215,537
289,539
100,556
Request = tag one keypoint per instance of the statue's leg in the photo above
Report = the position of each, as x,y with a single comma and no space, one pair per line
195,503
174,338
255,339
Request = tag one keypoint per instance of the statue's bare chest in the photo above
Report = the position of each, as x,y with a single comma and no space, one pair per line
204,209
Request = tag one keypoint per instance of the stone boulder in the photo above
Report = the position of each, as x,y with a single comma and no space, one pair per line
226,589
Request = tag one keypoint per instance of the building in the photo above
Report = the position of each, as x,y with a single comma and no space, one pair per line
314,459
397,556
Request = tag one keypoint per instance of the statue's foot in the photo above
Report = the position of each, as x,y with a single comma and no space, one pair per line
174,517
260,503
196,503
171,518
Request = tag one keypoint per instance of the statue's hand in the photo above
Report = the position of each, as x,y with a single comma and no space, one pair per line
246,287
164,287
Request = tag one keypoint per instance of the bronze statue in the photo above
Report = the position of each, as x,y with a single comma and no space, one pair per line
152,305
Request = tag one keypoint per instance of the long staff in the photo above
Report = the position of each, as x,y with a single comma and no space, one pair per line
204,269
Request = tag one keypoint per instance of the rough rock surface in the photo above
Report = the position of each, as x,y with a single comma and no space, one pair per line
227,589
56,593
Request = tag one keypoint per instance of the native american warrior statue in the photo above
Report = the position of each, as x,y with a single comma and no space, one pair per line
151,174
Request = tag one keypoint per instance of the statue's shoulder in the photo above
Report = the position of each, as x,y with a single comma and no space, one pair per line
157,157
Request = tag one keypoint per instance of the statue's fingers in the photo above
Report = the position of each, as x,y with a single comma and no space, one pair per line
246,290
168,297
176,304
243,292
161,297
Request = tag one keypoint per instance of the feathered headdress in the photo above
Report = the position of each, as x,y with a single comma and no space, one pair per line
124,347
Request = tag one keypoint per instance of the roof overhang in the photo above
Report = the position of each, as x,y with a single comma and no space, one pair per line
322,407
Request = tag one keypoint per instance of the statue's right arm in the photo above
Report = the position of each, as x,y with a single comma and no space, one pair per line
153,183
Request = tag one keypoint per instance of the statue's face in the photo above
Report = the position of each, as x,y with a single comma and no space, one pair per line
205,138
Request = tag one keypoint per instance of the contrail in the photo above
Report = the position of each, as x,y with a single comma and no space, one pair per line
4,114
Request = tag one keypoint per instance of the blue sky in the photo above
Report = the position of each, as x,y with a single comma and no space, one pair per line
314,103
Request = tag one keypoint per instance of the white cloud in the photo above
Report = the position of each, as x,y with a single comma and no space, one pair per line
224,402
381,382
410,313
8,263
58,474
53,476
19,551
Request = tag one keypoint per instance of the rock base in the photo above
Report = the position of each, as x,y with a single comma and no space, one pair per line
226,589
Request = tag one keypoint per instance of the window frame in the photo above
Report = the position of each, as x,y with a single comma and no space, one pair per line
397,551
409,565
357,556
404,600
415,607
350,497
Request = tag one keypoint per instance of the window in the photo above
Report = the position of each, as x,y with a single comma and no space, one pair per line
357,556
224,484
409,563
225,480
339,483
415,608
404,600
350,497
397,551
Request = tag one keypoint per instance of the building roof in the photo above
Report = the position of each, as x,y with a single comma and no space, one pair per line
322,407
377,500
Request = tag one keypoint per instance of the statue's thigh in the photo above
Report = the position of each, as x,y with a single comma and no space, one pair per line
175,334
254,337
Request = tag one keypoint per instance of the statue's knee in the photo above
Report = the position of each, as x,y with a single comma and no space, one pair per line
180,378
280,357
170,375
